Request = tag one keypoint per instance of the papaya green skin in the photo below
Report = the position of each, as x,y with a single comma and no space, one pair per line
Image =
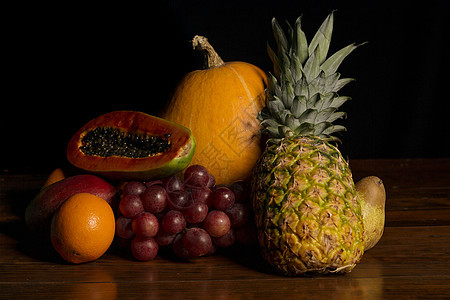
40,210
173,167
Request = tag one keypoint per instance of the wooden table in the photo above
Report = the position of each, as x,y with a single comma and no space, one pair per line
412,260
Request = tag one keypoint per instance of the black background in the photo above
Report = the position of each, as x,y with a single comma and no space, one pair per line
67,64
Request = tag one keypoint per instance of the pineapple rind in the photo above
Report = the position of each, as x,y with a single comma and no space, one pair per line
306,209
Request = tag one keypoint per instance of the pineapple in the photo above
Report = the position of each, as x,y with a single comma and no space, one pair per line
306,207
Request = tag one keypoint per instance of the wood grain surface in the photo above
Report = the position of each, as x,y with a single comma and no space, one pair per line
412,260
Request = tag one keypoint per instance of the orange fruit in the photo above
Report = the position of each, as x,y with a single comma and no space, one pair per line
55,176
82,228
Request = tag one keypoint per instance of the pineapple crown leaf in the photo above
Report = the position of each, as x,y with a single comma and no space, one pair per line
333,62
322,39
302,94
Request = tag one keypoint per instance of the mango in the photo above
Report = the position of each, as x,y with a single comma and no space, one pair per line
40,210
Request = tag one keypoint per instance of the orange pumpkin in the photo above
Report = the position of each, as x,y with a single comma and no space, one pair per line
219,105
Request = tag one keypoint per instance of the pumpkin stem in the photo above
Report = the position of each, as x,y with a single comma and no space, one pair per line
212,59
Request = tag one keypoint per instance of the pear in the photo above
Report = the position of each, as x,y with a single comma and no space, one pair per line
372,196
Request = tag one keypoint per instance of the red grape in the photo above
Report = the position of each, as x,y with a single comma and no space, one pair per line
197,176
123,228
217,223
201,194
163,238
153,182
145,224
240,190
212,250
173,222
173,183
154,199
225,240
144,249
238,215
197,242
130,206
222,198
178,199
178,247
134,188
211,182
196,212
194,216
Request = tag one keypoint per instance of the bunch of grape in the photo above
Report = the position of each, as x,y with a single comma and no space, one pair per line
192,216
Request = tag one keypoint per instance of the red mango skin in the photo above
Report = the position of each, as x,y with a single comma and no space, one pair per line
40,210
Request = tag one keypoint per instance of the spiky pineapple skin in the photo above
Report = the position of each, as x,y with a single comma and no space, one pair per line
306,208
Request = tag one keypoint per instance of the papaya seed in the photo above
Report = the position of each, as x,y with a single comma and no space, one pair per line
109,141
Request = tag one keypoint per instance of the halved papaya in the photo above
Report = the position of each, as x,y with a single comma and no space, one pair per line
130,145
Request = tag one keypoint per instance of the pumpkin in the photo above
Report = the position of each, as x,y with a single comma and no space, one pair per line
220,104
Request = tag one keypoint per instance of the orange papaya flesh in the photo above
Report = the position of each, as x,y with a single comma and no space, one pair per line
130,145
